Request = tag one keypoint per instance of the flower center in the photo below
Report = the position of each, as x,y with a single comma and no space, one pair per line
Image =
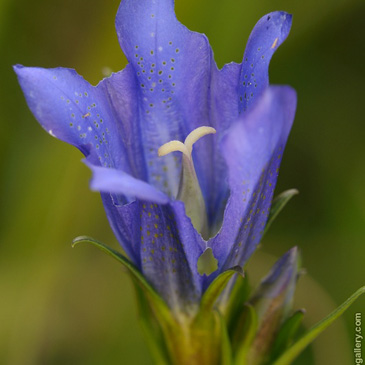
189,189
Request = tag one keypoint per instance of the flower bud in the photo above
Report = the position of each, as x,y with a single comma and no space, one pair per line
273,302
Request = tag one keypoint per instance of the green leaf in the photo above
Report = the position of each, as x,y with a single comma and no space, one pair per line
293,351
151,328
286,334
278,204
245,334
216,287
160,307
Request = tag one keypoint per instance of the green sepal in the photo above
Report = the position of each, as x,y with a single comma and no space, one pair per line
210,343
233,306
278,204
159,306
293,352
287,333
215,289
226,351
244,334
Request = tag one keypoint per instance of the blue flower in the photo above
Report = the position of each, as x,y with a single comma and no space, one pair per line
171,87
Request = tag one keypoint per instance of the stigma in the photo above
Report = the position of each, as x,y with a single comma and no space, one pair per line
189,189
187,147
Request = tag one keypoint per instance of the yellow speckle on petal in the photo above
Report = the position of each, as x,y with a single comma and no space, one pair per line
275,43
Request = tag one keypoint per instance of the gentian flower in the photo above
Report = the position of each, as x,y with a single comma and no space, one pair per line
213,192
186,157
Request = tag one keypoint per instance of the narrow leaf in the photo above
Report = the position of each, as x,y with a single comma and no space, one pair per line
307,338
278,204
226,354
151,329
159,305
286,334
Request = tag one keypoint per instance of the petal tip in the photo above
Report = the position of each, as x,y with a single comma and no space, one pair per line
281,21
287,20
286,94
19,69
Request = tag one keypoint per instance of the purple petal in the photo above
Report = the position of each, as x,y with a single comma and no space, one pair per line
268,34
76,112
224,110
71,109
163,244
253,150
168,256
108,180
121,219
122,93
172,67
193,243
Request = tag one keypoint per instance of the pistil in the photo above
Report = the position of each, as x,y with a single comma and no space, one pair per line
189,189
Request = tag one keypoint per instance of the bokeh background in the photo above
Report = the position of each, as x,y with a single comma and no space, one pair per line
60,305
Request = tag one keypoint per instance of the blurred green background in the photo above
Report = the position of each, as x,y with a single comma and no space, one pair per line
60,305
